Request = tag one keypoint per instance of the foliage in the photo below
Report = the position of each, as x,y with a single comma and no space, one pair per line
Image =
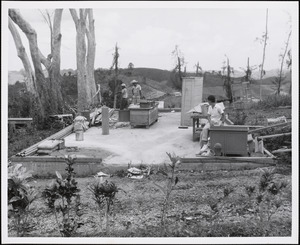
104,193
273,101
21,139
238,117
62,196
19,100
172,180
20,196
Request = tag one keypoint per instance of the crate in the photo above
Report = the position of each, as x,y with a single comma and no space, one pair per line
232,138
124,115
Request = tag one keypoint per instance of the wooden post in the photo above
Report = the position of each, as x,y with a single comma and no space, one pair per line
105,120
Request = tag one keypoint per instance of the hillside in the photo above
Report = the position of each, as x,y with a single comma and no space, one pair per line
155,83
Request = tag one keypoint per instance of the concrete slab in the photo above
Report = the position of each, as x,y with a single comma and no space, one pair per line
139,145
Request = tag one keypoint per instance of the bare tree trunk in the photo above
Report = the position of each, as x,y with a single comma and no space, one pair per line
91,52
85,62
281,66
29,81
54,69
42,99
264,53
49,98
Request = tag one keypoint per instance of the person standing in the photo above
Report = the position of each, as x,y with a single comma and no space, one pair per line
124,100
136,92
215,117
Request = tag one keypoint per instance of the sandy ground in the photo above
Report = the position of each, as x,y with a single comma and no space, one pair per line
137,145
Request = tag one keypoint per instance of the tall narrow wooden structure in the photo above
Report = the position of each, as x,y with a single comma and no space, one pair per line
192,92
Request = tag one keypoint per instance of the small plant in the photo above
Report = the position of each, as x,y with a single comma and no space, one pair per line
62,197
104,195
172,180
217,206
20,196
267,199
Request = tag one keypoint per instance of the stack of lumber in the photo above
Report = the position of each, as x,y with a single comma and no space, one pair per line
256,131
96,116
59,135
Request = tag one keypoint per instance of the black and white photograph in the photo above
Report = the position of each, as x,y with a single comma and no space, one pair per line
149,122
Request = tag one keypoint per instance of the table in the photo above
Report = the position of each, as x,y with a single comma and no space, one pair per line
196,124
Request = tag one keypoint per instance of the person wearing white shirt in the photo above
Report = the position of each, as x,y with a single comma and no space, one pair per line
136,92
215,117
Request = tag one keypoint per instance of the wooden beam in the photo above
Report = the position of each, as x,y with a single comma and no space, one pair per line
268,153
282,151
273,135
275,125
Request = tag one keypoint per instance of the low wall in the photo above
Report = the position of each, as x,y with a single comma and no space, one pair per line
84,167
47,166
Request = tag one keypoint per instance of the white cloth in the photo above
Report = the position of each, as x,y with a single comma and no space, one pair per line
215,114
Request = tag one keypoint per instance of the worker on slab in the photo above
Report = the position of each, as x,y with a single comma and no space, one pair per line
136,92
124,101
215,117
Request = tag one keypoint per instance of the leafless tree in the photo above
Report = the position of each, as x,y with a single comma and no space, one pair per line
85,56
116,69
47,97
280,77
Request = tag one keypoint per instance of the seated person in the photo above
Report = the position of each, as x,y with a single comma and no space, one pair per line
215,117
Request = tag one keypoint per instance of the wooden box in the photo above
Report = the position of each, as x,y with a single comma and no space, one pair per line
143,116
124,115
232,138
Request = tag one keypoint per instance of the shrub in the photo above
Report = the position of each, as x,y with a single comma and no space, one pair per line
20,196
59,198
104,194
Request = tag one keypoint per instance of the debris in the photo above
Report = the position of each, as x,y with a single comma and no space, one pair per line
101,176
134,170
259,145
276,120
136,173
136,176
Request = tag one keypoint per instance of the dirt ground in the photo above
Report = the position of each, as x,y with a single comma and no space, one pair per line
137,145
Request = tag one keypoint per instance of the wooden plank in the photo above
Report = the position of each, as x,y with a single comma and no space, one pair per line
59,135
19,119
275,125
267,160
273,135
268,153
282,151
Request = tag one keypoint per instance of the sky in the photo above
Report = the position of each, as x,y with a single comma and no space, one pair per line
147,33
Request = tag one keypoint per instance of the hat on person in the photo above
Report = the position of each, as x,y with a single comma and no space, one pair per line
133,81
123,85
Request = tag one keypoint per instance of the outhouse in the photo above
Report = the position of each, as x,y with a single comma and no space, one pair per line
192,92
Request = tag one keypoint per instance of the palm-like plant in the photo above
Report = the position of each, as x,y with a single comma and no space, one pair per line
20,196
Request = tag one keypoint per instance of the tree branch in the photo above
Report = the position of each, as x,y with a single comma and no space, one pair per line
74,16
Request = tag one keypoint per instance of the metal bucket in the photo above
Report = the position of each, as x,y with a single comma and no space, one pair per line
79,135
